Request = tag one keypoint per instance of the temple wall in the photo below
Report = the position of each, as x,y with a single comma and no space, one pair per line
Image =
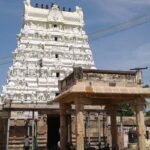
20,128
3,132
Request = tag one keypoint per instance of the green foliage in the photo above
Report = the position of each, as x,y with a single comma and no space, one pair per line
125,110
148,114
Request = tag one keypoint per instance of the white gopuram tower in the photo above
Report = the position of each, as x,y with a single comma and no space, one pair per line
51,42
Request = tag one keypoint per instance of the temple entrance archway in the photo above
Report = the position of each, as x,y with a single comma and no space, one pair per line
53,135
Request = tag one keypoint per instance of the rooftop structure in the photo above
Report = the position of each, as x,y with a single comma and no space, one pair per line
101,88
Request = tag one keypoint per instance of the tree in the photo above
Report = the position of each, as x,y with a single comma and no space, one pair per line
125,110
148,113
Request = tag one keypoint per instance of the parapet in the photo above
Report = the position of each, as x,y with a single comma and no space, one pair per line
54,13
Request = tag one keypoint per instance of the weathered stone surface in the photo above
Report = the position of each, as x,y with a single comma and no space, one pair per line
85,91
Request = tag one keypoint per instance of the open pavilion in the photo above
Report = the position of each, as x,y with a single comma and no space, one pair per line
106,88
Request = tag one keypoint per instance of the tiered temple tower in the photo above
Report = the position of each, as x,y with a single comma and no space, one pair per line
51,42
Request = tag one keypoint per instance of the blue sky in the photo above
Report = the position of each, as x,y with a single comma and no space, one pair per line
123,50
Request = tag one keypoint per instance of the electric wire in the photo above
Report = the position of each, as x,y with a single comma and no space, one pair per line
4,63
5,60
119,27
102,33
5,57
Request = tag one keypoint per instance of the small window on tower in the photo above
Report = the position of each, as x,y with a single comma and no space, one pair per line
57,74
56,94
56,38
55,25
42,6
56,55
36,5
69,9
47,6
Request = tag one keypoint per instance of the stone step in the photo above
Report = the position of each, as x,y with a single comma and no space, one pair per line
16,143
20,142
21,138
41,147
21,146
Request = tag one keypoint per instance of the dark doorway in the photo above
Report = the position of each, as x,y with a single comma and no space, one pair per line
53,123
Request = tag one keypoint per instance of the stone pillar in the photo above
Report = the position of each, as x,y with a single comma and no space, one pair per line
114,131
88,128
4,129
33,129
63,126
8,130
99,127
3,132
139,108
69,121
79,127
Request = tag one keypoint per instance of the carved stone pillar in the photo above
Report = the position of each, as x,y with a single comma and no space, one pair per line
69,121
4,129
79,127
114,131
3,133
139,108
63,126
99,128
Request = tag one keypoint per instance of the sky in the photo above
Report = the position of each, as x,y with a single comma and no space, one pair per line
122,50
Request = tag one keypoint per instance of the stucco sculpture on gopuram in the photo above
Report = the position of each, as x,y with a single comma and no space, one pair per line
51,42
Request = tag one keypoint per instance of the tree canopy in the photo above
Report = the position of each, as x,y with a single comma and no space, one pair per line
125,110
